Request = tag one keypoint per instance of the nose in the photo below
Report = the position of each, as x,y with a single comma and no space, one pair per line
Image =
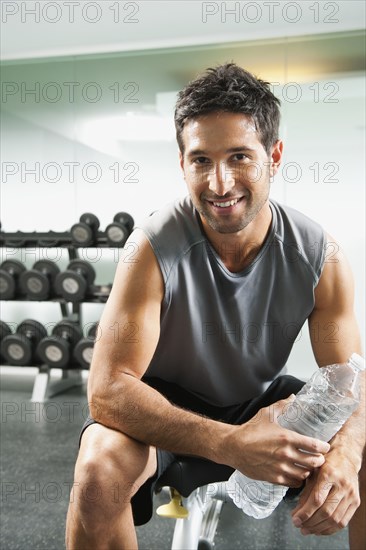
221,179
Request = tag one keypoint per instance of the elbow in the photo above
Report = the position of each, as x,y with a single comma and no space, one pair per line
97,393
97,403
105,399
96,409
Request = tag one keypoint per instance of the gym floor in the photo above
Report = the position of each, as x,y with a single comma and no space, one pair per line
38,452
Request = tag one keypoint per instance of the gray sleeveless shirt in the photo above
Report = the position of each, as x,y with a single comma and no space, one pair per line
224,335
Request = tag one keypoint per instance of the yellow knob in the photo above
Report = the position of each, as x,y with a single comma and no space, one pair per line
174,509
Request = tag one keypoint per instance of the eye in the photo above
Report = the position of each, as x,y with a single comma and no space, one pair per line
201,160
239,156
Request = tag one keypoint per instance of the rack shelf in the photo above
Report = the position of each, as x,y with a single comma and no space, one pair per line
44,387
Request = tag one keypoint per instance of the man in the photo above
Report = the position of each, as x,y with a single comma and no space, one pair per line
199,322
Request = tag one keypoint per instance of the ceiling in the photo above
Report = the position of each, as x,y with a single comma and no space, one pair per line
41,30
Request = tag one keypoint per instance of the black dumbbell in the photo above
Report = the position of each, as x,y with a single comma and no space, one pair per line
56,350
37,283
5,330
84,233
19,348
118,232
83,350
10,271
73,283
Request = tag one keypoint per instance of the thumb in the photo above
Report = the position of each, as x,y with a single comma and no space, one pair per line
282,405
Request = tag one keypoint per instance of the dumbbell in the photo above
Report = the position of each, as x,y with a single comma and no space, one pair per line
37,283
84,233
83,350
73,283
19,348
118,232
10,271
5,330
56,350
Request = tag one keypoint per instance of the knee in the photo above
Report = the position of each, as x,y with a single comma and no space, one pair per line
109,463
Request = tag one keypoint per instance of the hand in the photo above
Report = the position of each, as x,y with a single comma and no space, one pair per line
330,498
262,449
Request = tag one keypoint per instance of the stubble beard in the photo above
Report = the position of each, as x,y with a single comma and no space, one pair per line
229,226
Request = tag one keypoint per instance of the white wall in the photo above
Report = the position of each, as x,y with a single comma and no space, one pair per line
323,175
323,126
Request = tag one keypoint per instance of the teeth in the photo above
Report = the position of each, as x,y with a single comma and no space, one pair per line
226,204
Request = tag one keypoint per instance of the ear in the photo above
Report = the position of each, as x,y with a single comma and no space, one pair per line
181,161
276,157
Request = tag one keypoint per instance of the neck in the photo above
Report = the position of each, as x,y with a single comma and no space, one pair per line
238,250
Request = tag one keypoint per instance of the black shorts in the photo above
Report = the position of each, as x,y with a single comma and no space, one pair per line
281,388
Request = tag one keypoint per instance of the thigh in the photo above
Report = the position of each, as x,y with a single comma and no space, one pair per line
142,501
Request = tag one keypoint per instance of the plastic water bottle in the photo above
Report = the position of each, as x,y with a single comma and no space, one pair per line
319,410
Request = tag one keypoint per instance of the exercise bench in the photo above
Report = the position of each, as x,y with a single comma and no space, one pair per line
198,491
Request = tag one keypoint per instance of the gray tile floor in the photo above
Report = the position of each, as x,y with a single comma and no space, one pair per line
38,452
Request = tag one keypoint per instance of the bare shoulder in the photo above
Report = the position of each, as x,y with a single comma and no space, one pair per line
138,275
129,327
335,287
333,326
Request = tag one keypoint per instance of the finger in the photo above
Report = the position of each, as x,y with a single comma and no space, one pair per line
291,481
293,476
281,406
328,515
285,401
340,520
335,518
302,442
310,444
314,499
308,461
306,495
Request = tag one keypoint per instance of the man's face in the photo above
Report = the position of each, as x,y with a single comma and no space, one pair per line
227,169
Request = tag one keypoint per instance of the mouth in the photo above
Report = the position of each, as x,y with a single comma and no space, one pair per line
226,203
226,206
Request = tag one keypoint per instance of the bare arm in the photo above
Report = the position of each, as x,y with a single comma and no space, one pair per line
130,329
331,496
334,299
120,400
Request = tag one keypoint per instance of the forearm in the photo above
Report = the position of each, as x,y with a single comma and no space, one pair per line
259,448
351,438
141,412
332,494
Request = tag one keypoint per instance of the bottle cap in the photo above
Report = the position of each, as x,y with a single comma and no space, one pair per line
357,361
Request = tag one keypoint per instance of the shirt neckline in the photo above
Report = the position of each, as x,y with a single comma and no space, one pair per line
257,258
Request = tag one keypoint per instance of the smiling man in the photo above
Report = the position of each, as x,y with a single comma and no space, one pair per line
229,186
222,283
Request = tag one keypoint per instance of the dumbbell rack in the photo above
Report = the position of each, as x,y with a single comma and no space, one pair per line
43,387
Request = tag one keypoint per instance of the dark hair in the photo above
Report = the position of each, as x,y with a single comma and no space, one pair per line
230,88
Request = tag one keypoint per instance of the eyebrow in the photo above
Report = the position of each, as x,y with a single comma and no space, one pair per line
195,152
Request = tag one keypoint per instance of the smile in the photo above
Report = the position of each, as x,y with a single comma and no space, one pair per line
226,204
